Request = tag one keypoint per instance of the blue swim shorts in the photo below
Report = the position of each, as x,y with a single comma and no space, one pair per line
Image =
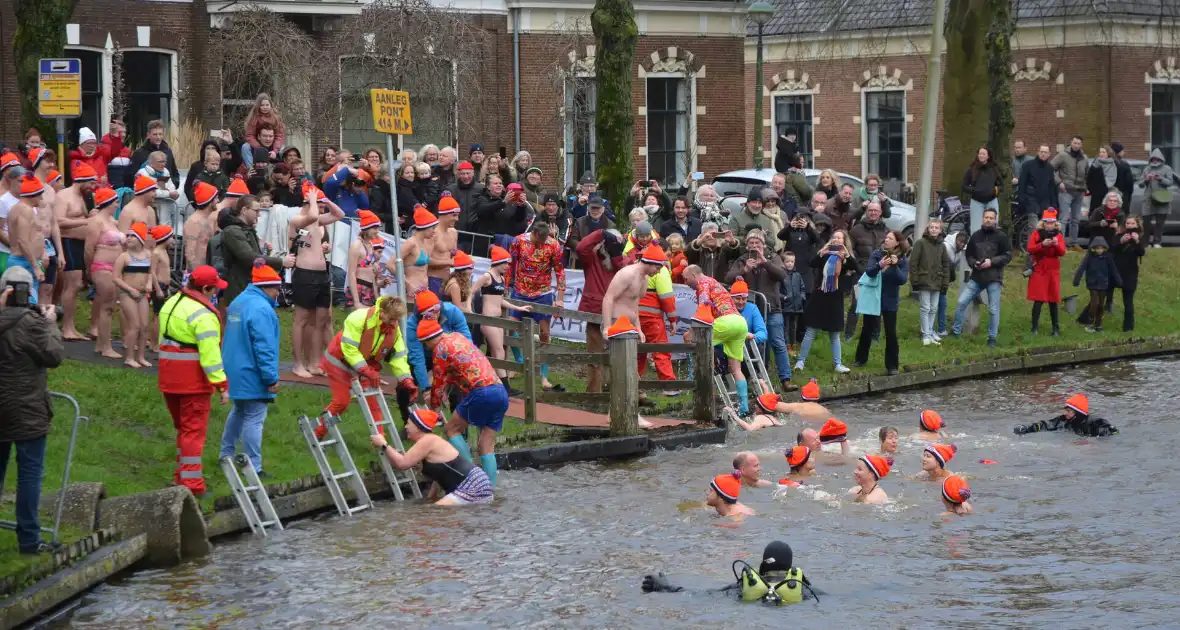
544,300
485,407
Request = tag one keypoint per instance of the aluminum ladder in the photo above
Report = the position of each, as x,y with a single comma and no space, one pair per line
757,369
332,479
391,474
727,394
231,465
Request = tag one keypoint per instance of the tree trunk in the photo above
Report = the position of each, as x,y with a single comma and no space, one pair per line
1000,118
965,88
40,33
615,34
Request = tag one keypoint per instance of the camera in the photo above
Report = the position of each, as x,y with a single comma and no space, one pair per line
645,183
20,294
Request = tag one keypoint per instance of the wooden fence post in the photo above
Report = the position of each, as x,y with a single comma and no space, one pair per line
528,336
624,386
704,399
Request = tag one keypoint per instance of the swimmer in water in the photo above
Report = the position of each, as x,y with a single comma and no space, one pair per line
835,431
463,482
1076,418
750,470
765,418
934,459
870,469
771,404
930,426
954,496
802,466
723,493
888,437
777,581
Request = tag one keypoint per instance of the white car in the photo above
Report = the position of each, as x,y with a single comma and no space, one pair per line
733,186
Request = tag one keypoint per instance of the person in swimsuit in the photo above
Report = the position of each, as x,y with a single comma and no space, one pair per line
133,276
934,459
141,208
930,426
462,482
72,220
162,274
457,288
416,252
104,245
722,495
491,288
802,466
26,235
200,226
311,281
42,162
870,469
363,262
955,493
889,437
446,243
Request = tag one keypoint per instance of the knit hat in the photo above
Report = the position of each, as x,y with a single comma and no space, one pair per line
368,219
206,276
704,315
204,194
144,185
728,486
810,391
423,219
642,229
139,230
86,135
426,300
833,431
1050,214
54,175
622,328
36,155
448,205
654,255
534,169
500,256
31,186
424,419
462,261
955,490
8,160
1117,147
428,329
378,243
160,233
1079,403
930,421
768,402
942,453
237,188
797,456
877,465
465,165
475,146
83,172
104,197
739,288
263,275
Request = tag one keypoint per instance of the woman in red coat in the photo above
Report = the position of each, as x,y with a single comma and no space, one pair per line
1046,246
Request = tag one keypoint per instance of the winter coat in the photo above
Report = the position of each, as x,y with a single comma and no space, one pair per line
982,183
825,310
239,250
535,194
991,245
427,192
801,242
867,237
260,119
792,292
690,232
349,201
1069,168
577,210
452,320
1156,175
1127,257
841,214
862,196
742,222
493,216
929,264
755,323
584,227
251,348
764,279
1100,214
1125,181
465,195
1037,189
1044,285
140,158
107,149
796,194
785,154
597,276
380,202
1096,182
1099,269
714,262
29,346
197,173
446,176
892,279
560,224
406,200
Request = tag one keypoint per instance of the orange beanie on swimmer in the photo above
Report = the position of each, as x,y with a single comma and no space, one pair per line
423,219
810,391
622,328
798,456
139,230
237,188
942,453
160,233
462,261
104,197
768,402
145,184
448,205
1079,403
877,465
955,490
500,256
931,421
424,419
368,219
833,431
654,255
428,329
30,186
728,487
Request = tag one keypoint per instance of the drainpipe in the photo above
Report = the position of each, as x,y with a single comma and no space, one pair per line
516,71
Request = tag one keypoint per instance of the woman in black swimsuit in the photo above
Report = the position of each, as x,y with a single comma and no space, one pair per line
491,288
462,482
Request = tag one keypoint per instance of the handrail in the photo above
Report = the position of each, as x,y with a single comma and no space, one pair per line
556,311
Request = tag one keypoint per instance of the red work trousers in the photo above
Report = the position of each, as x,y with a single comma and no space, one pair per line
190,417
340,382
655,332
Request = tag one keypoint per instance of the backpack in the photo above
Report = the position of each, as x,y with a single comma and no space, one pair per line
217,254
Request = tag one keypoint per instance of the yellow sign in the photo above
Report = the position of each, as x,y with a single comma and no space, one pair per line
59,90
391,112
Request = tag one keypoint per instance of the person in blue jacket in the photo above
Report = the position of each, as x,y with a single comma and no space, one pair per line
346,186
450,317
891,263
251,357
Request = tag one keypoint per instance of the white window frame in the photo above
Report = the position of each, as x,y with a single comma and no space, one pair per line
690,147
453,141
104,114
774,119
1152,143
568,133
108,88
864,129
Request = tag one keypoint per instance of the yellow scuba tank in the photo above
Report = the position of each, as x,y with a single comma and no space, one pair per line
754,588
790,590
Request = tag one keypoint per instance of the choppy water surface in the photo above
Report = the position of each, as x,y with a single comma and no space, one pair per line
1079,533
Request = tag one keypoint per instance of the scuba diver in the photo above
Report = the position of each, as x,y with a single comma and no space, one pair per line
775,582
1076,418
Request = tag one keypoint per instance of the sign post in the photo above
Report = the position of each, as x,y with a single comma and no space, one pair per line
391,116
59,96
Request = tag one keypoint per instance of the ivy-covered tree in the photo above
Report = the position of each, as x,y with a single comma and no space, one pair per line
1001,121
40,33
616,35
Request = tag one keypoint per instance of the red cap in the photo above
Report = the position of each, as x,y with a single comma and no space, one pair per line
797,456
810,391
206,276
833,431
768,402
1079,403
465,165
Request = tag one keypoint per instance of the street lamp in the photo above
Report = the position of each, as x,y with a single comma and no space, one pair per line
759,13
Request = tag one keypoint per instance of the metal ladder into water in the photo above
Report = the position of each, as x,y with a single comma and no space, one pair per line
391,474
757,369
332,479
231,465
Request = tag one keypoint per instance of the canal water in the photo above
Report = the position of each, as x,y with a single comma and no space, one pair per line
1078,533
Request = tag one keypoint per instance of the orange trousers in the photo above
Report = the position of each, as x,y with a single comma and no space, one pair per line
340,383
190,417
655,332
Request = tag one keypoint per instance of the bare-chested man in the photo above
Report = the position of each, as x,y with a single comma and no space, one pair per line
10,172
200,227
70,210
311,281
26,237
141,208
446,241
629,284
43,161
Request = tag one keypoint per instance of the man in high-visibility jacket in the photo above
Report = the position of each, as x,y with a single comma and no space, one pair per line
659,301
370,337
190,369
